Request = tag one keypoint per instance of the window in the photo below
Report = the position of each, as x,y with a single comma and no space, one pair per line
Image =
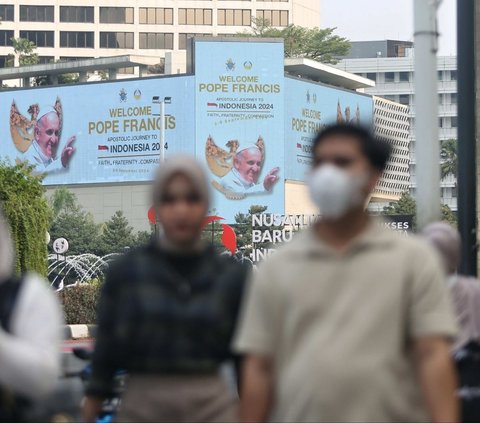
404,76
454,192
234,17
390,97
121,15
440,122
6,62
6,38
6,14
73,58
39,38
454,122
76,14
389,76
156,16
404,99
116,39
183,37
453,98
441,99
156,41
195,16
440,75
46,59
453,75
372,76
274,17
76,39
36,13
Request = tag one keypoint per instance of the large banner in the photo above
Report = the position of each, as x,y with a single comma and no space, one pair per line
309,107
239,123
97,132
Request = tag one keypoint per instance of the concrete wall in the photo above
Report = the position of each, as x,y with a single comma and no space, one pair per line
104,200
306,13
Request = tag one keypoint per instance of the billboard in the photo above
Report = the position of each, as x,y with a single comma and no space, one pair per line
239,110
311,106
97,132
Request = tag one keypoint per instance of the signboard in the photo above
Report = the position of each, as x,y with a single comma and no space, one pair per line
239,110
97,132
309,107
60,246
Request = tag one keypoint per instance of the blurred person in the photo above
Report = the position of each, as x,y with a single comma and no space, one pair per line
465,292
43,151
167,314
349,322
247,165
30,335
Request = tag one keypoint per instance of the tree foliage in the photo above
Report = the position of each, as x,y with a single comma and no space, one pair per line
27,214
315,43
407,205
449,158
117,234
243,228
79,229
25,51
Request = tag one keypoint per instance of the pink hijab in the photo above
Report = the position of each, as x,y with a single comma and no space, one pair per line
465,290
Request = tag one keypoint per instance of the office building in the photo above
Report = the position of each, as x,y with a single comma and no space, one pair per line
394,80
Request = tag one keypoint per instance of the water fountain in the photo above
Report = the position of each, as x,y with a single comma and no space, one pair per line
76,269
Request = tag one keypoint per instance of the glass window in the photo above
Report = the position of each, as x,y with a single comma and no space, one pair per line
453,75
404,99
440,122
156,41
454,122
234,17
183,37
36,13
441,99
39,38
6,38
440,75
76,39
6,14
76,14
404,76
116,40
453,98
389,76
121,15
195,16
372,76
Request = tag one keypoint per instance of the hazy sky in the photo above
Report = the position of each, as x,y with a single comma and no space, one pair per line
361,20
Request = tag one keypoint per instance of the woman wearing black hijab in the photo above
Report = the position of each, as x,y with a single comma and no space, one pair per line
168,312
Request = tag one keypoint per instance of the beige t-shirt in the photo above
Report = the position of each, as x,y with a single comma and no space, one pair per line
339,327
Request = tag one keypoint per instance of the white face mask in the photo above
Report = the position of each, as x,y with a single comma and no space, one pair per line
335,191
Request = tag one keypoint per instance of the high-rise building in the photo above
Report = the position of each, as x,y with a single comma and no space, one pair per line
394,78
70,29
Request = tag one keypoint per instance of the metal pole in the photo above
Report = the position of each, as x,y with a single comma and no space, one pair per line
426,113
162,131
466,134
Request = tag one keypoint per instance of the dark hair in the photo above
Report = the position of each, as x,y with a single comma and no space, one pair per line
376,150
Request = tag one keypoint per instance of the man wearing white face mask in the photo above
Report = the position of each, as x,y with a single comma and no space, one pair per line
349,322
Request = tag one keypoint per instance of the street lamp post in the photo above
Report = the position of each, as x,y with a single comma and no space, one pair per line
166,100
156,100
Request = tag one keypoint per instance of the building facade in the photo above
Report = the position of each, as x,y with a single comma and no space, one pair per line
70,29
394,78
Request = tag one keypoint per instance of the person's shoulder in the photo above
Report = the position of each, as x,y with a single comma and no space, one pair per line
36,292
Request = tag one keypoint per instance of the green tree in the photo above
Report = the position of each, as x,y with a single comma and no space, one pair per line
315,43
25,51
80,230
27,214
117,234
243,228
142,238
62,200
407,205
449,158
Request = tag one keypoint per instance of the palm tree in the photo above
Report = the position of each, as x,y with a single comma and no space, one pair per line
449,158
